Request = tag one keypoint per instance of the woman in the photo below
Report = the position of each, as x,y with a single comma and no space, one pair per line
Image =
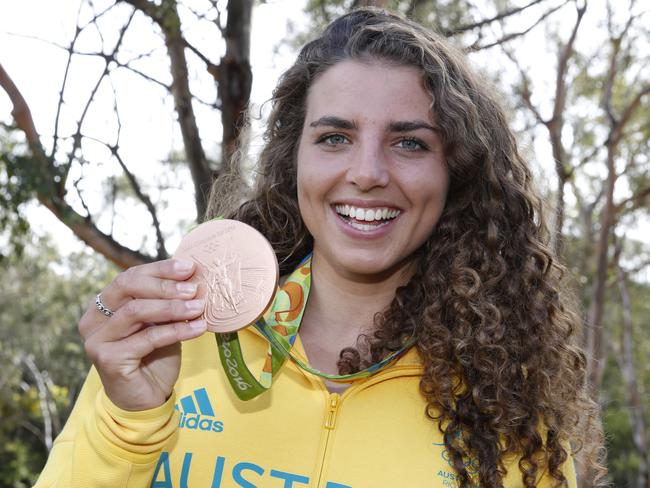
390,162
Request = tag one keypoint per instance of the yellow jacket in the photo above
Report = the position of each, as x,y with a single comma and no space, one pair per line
297,435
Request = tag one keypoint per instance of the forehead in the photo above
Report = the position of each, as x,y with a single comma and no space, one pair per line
372,91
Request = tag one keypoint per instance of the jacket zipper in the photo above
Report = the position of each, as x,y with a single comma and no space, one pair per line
330,422
334,401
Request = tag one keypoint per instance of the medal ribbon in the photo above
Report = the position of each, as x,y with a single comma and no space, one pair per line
280,328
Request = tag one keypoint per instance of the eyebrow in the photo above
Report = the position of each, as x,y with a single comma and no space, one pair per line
396,126
332,121
410,125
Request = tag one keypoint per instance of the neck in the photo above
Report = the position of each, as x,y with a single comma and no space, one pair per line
340,307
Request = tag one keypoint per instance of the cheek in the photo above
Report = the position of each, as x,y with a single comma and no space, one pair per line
306,192
303,183
429,186
431,197
302,173
310,177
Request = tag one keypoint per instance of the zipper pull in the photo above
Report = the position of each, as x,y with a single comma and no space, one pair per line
330,421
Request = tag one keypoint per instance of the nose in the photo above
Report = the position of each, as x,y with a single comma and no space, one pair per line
369,167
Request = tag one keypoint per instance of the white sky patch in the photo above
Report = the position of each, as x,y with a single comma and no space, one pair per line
149,132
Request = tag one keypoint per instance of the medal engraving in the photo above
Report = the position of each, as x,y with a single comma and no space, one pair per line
236,272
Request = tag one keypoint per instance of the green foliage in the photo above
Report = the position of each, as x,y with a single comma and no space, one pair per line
589,126
13,194
623,458
42,296
442,15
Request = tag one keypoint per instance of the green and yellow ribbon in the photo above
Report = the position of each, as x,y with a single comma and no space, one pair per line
280,327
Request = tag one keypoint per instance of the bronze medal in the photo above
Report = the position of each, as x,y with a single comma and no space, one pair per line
237,272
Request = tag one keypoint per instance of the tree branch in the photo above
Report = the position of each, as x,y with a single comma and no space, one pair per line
628,111
635,201
42,400
166,16
144,198
555,127
563,63
51,401
47,188
212,68
613,68
498,17
107,60
513,35
22,114
148,8
127,66
525,93
162,252
217,20
59,105
75,183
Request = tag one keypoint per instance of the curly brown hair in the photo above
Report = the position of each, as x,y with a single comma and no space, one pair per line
496,328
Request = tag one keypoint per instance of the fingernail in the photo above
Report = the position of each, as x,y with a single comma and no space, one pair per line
183,265
195,305
186,288
198,324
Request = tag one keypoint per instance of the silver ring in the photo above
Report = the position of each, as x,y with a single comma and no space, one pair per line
101,307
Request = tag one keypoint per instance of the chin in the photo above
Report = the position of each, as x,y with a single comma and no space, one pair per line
368,268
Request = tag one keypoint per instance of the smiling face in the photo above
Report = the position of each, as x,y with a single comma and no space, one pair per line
372,178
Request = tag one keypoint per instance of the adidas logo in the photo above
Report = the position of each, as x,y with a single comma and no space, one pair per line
201,418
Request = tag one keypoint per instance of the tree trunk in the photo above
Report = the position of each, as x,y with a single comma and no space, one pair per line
594,329
559,156
235,79
626,363
555,127
199,168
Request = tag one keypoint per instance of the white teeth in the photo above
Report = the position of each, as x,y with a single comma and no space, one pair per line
367,214
366,227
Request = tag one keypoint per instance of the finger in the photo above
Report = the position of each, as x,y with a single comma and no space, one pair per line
148,340
167,268
92,318
110,357
151,280
162,279
129,319
143,286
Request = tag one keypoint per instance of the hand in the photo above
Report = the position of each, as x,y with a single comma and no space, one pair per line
137,351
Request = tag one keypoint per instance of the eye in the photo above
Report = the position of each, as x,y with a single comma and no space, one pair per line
332,139
411,144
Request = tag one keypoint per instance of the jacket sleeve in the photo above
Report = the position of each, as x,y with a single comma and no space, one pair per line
102,445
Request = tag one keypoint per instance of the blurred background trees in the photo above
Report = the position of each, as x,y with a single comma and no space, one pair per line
42,296
573,72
